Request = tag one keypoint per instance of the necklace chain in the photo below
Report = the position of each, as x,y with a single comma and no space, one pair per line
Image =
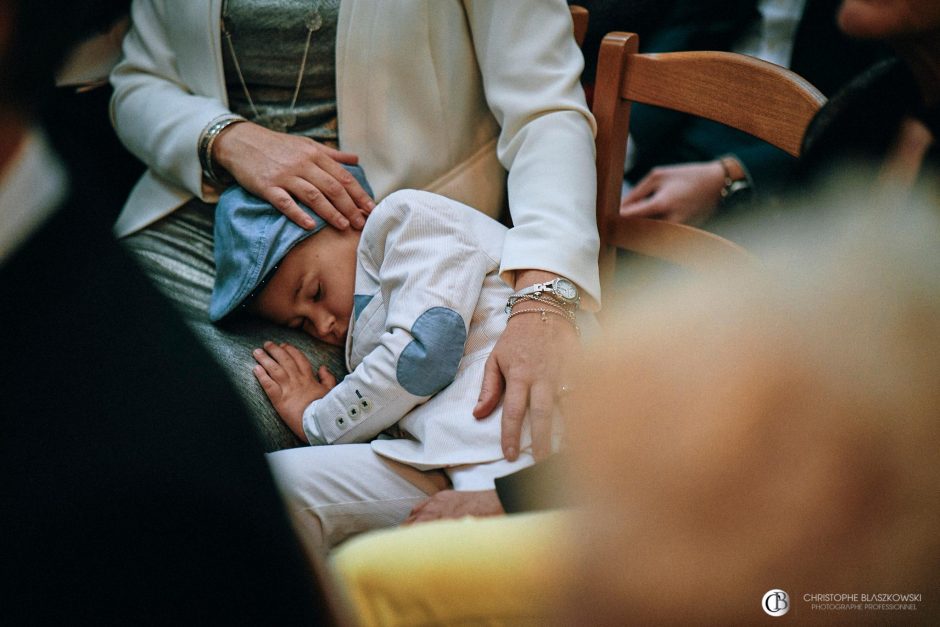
281,123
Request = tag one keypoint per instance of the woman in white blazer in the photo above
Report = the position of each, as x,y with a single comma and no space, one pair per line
478,100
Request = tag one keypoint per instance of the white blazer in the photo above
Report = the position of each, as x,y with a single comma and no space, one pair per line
442,95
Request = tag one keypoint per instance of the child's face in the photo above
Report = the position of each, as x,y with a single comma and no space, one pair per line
312,289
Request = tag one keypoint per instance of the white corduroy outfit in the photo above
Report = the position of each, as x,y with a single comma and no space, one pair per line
429,308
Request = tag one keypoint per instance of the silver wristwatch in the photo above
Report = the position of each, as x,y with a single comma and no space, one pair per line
560,288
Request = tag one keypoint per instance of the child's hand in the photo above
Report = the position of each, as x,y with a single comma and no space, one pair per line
287,377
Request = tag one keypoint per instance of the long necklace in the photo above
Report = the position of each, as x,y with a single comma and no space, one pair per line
283,121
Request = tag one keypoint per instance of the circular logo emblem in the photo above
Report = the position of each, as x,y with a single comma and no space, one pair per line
776,603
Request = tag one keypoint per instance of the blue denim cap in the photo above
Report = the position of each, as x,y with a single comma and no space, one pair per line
251,239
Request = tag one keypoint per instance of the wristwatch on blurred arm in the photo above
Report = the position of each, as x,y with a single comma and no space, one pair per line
736,188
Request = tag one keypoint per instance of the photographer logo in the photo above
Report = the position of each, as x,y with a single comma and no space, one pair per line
776,602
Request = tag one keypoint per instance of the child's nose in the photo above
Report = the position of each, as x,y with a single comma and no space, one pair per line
324,324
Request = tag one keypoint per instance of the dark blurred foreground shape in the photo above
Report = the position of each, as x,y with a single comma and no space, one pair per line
134,488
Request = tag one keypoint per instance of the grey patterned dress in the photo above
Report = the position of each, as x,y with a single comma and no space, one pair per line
269,37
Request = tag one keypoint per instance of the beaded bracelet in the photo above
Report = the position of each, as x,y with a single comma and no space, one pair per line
207,139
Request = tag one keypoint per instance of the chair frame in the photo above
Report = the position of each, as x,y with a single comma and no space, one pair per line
579,20
765,100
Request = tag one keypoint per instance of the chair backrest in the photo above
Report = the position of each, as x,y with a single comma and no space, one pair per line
759,98
580,17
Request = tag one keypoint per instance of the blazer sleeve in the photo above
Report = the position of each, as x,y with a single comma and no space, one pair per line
156,114
531,67
431,274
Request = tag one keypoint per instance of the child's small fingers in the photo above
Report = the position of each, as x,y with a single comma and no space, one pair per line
267,362
282,356
326,377
299,358
268,384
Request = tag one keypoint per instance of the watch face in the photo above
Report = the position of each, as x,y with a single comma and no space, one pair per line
565,289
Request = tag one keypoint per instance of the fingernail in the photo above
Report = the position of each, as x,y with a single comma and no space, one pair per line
359,222
343,223
511,453
309,223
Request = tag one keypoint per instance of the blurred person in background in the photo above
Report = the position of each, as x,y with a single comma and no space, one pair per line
691,170
774,430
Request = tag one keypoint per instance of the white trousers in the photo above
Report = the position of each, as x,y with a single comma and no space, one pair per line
337,491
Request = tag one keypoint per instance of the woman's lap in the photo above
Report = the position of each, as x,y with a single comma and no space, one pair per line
176,253
335,492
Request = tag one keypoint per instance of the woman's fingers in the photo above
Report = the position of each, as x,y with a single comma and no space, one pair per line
284,169
281,200
347,158
514,411
326,193
491,391
357,195
541,406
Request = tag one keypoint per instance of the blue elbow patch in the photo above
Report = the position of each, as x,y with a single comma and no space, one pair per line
360,302
429,363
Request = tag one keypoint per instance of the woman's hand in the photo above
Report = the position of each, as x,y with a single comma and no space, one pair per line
687,193
287,377
528,364
279,168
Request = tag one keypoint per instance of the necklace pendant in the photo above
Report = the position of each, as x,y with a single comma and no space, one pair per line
314,21
281,122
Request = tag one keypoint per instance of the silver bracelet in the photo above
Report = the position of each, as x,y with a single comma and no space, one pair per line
543,315
556,308
542,297
207,139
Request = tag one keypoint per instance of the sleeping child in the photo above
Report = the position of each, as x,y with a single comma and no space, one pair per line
416,300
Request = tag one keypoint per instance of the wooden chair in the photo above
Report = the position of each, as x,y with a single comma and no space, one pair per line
759,98
579,16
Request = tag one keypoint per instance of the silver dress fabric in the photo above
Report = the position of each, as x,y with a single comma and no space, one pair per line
268,38
176,252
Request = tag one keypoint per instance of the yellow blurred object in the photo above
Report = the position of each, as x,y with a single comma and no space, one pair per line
505,570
